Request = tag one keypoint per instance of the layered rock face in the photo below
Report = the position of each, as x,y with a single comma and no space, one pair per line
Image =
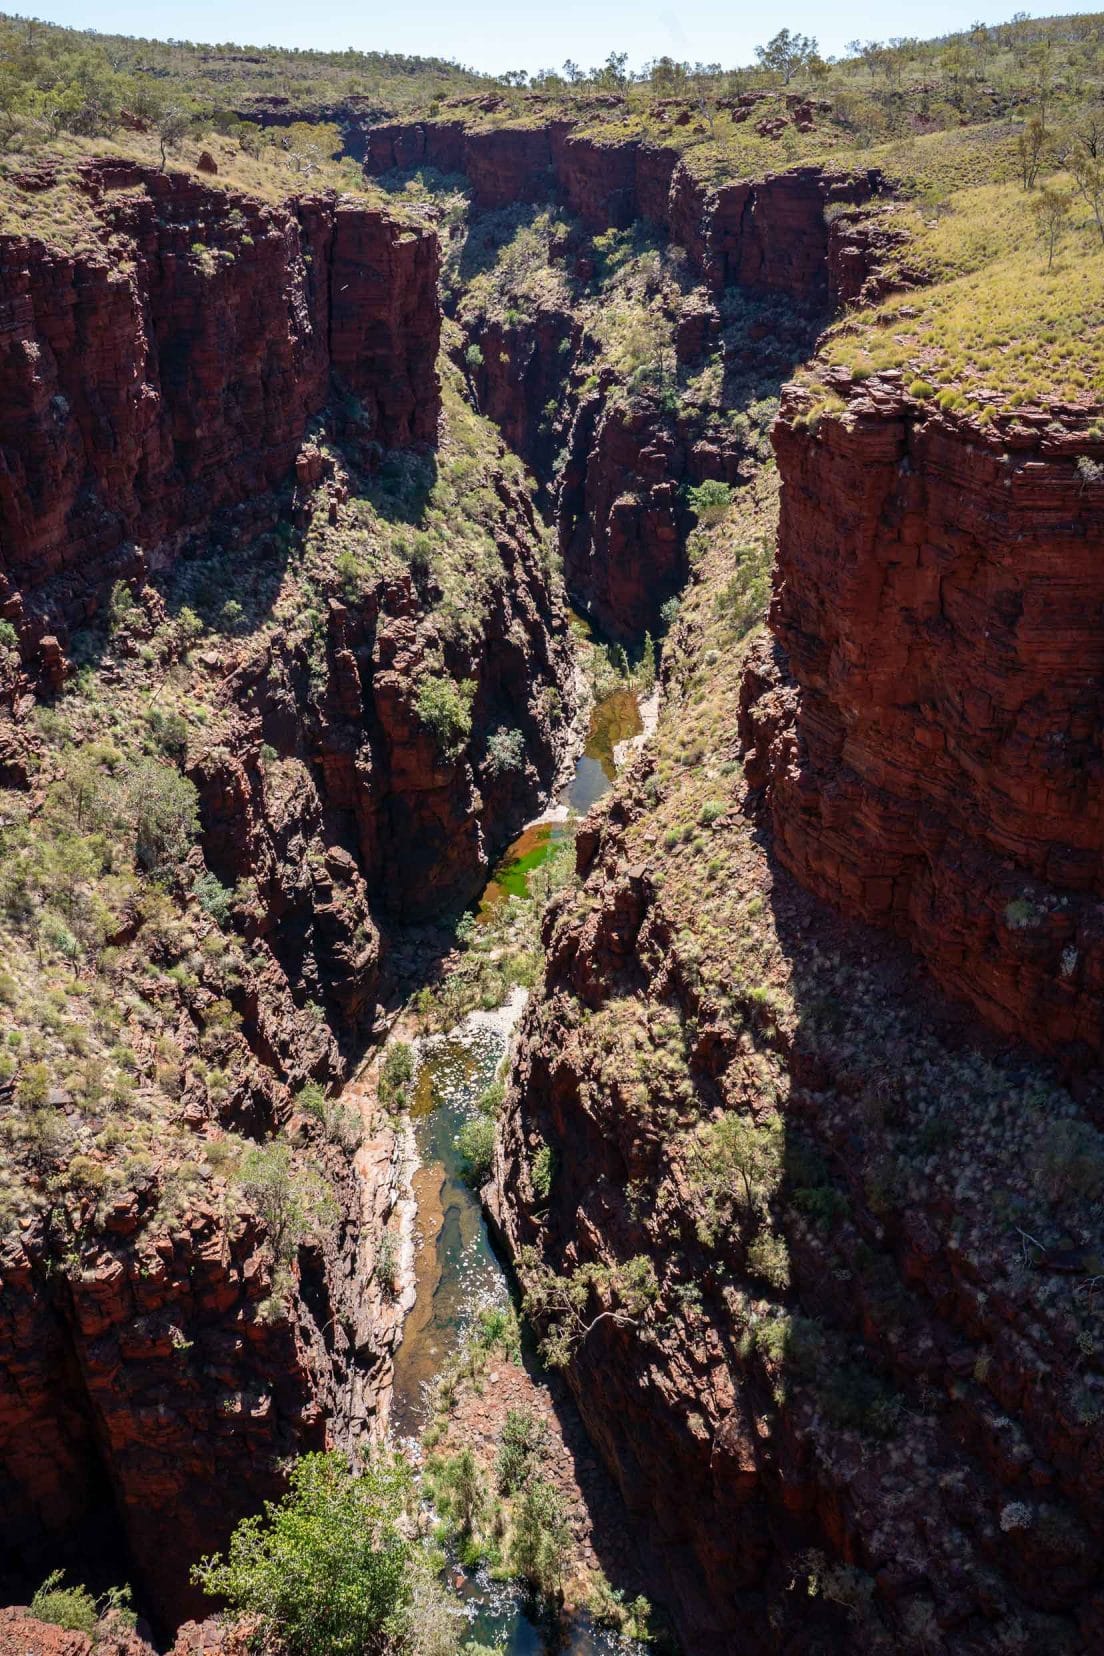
162,1355
839,1443
770,232
615,477
408,829
621,514
147,386
148,1395
926,725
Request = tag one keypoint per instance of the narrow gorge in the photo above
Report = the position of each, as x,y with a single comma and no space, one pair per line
550,869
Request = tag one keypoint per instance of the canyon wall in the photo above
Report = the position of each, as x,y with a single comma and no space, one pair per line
615,469
161,1356
768,232
878,1436
926,724
357,772
172,373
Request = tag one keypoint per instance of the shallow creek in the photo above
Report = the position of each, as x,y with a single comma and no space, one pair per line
456,1270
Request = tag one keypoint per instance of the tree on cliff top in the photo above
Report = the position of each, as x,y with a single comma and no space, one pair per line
173,124
786,53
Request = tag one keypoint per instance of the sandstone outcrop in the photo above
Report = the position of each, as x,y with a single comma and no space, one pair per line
154,1382
926,724
174,372
855,1443
770,232
21,1634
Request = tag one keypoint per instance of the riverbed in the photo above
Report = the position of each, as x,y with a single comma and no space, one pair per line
457,1273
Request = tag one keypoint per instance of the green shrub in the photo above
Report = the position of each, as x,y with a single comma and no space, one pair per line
444,707
768,1259
311,1099
33,1085
505,751
213,897
608,1607
289,1197
165,807
396,1074
522,1447
463,1482
542,1172
475,1142
169,731
710,500
329,1570
73,1608
541,1542
120,607
386,1267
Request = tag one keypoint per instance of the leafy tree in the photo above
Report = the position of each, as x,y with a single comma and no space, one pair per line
1051,211
1088,177
310,143
541,1542
505,751
613,71
562,1304
710,500
1031,148
173,125
737,1163
329,1570
786,54
289,1198
165,810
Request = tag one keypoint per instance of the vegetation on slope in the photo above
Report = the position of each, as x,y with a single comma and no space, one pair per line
809,1107
127,964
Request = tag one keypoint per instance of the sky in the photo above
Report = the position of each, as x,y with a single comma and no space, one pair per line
495,35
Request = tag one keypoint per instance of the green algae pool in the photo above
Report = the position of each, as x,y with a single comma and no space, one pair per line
615,719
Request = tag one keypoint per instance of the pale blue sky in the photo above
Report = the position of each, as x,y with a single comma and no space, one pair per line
495,35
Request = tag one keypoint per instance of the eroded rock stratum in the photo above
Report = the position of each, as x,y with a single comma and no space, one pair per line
807,1095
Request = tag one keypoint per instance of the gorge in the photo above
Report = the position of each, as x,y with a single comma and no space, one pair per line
354,490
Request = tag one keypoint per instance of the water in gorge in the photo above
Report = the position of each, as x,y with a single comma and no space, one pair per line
457,1271
614,720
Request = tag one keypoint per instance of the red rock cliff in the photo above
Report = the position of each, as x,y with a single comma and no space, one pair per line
145,386
769,232
927,724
